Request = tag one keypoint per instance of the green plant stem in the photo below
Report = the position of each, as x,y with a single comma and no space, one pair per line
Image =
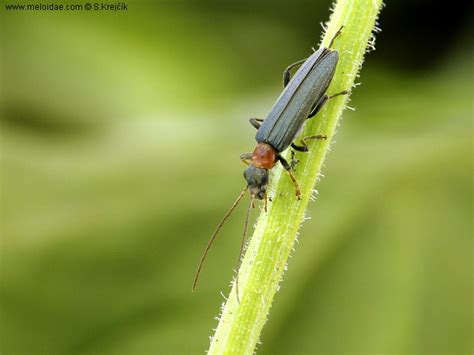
265,260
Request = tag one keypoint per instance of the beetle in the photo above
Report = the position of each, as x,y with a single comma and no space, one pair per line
303,96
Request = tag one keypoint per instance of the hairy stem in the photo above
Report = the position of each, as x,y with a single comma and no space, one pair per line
264,263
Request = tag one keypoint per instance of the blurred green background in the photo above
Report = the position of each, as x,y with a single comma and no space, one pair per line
121,135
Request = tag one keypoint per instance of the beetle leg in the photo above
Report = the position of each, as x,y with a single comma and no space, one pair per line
318,106
286,73
339,31
343,92
287,167
246,157
304,146
323,100
294,161
300,148
256,122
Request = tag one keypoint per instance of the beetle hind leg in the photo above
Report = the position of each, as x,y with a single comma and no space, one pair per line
287,72
339,31
343,92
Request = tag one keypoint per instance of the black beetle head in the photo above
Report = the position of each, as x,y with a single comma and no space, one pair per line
257,180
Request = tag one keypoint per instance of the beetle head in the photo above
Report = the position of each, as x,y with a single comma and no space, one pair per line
257,180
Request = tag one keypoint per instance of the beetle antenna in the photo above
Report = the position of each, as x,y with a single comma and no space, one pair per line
242,246
214,235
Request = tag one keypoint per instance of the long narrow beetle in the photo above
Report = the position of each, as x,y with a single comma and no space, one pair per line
303,97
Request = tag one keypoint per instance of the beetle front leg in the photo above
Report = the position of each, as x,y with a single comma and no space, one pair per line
294,161
256,122
287,167
286,73
246,158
